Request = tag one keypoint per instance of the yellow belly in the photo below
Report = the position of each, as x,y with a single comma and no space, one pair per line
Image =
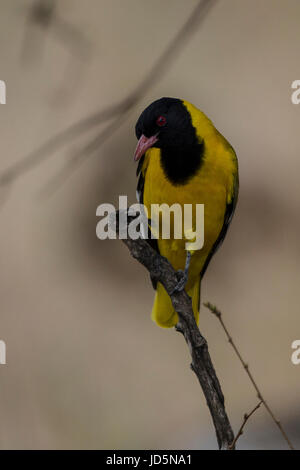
207,187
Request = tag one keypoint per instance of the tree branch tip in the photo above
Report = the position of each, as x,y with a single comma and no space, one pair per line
241,430
178,329
213,309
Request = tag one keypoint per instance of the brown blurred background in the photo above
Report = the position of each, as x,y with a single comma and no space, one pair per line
86,367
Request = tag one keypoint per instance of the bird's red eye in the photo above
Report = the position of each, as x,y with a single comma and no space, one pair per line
161,121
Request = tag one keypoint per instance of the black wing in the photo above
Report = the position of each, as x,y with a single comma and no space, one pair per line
140,197
227,219
141,181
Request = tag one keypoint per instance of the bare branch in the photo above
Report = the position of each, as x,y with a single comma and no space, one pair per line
162,271
218,314
241,430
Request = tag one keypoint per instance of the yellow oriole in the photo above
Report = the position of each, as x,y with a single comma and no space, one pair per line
184,159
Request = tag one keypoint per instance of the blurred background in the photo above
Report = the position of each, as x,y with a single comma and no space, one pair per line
86,367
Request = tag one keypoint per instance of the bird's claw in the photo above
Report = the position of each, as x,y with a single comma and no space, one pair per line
182,277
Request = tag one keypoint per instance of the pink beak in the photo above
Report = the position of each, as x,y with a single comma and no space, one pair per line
144,144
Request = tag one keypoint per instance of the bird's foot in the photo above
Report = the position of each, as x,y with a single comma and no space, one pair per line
182,277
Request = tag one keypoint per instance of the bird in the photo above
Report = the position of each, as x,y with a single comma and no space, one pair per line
182,158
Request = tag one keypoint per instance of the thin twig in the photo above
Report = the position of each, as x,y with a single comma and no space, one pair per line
218,314
162,271
241,430
123,107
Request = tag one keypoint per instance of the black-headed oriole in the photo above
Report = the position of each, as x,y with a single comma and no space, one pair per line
184,159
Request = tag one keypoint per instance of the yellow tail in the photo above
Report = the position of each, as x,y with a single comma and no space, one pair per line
163,312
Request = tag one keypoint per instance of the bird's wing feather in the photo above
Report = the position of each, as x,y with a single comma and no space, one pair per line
230,208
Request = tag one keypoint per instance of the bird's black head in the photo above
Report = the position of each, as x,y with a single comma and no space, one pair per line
165,123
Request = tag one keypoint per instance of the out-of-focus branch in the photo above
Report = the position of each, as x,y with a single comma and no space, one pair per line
42,12
162,271
241,430
123,107
43,15
218,314
158,70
